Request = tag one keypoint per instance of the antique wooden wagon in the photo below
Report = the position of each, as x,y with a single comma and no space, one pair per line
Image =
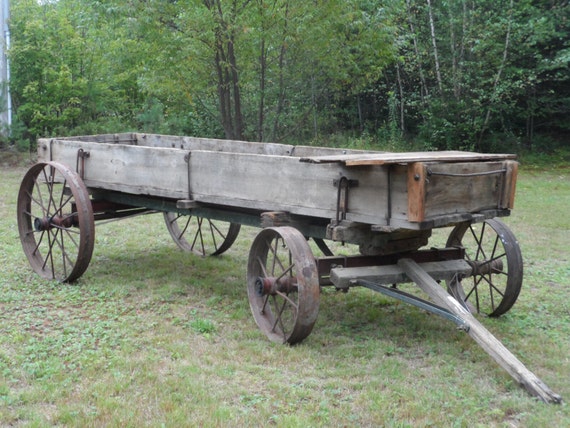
385,203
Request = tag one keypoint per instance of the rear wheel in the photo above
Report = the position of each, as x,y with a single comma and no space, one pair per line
200,235
55,221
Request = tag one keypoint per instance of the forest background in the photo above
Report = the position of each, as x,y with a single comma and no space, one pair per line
394,74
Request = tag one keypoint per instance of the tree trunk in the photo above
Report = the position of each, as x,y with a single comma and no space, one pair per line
261,107
497,76
402,109
229,96
423,86
434,44
281,96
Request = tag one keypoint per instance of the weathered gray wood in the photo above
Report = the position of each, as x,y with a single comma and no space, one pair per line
406,157
303,152
123,138
279,183
133,169
394,274
212,144
270,177
187,204
462,192
480,334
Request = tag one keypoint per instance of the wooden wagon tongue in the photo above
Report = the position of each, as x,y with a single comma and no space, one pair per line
480,334
449,307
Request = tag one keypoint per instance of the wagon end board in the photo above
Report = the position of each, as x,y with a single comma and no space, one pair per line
465,187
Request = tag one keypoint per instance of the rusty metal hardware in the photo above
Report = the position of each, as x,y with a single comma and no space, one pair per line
272,286
80,162
430,172
343,184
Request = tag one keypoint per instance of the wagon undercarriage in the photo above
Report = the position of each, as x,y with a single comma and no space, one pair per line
385,203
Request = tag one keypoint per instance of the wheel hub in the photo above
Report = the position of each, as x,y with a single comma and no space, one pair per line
42,224
486,267
272,286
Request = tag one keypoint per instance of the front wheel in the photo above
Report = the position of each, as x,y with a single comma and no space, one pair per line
283,284
495,256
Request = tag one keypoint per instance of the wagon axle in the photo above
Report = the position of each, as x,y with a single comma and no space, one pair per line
485,267
272,286
42,224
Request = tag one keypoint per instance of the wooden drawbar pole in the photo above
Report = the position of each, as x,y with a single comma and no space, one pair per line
480,334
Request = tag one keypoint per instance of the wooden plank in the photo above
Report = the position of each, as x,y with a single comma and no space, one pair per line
509,186
125,168
465,187
480,334
122,138
187,204
213,144
270,177
406,157
416,191
305,152
395,274
281,183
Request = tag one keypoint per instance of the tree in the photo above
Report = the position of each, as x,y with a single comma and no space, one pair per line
485,75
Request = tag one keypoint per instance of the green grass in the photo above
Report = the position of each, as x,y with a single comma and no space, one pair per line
152,336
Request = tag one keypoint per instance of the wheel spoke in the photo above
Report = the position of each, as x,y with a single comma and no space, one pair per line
288,300
276,260
212,230
262,267
191,233
492,285
50,255
278,317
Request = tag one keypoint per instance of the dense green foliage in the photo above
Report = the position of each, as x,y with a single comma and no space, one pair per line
485,75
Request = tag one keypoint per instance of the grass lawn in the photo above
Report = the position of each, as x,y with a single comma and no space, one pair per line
152,336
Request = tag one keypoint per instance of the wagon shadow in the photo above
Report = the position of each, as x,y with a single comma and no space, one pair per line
361,315
345,319
161,266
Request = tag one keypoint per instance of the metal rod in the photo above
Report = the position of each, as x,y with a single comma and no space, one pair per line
416,301
474,174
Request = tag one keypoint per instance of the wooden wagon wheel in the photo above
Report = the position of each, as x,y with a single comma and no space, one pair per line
495,256
283,284
55,221
200,235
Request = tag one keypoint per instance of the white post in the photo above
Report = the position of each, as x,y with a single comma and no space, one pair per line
6,107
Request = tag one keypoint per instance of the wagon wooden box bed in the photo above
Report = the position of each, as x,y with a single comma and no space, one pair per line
385,203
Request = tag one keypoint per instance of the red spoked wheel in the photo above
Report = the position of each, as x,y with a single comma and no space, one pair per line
495,257
55,221
283,284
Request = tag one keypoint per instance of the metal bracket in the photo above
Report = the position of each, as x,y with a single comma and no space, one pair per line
187,158
343,185
349,182
80,162
473,174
